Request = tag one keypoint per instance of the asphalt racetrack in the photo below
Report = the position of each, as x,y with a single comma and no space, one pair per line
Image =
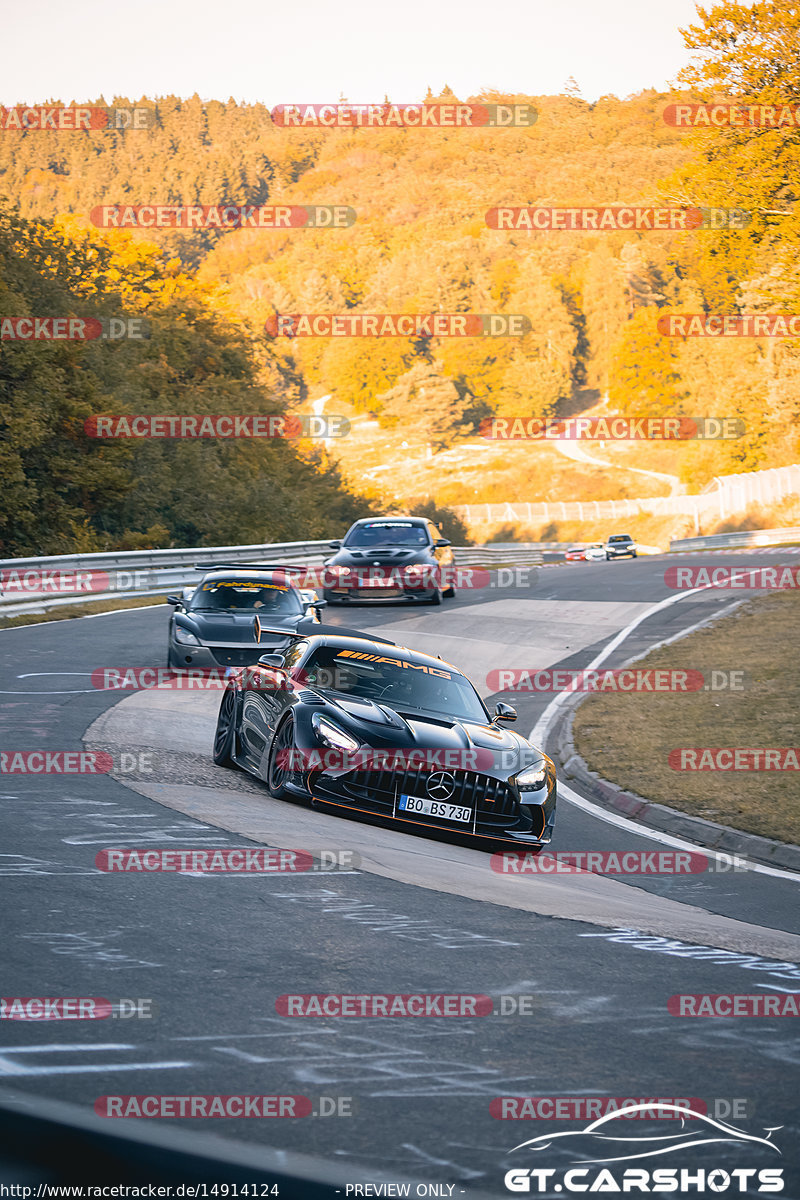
595,958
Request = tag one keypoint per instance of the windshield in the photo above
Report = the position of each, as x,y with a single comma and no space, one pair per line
243,595
394,681
620,537
387,533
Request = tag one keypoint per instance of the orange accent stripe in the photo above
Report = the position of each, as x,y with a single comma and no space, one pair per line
422,825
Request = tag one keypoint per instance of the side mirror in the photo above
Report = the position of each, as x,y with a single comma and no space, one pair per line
335,545
174,600
271,660
317,604
504,712
441,543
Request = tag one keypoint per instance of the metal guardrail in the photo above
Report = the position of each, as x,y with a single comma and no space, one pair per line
742,538
132,573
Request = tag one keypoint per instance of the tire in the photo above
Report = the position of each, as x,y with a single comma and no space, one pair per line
635,555
436,598
225,736
276,774
449,592
608,556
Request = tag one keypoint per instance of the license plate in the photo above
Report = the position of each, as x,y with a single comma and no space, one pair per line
434,808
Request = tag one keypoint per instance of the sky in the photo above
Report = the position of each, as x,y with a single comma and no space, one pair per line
275,51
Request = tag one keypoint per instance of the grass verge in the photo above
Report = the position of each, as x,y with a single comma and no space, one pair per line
627,738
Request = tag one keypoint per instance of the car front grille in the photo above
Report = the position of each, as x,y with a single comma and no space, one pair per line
237,658
495,800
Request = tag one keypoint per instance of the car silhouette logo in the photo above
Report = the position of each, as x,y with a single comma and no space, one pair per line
609,1140
441,785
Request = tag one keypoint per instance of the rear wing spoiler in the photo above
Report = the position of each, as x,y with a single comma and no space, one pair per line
248,567
307,628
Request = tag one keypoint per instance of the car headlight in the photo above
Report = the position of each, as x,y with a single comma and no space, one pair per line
532,778
184,637
336,570
331,735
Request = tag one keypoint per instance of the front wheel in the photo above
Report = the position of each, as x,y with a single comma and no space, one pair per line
608,556
635,555
224,738
279,768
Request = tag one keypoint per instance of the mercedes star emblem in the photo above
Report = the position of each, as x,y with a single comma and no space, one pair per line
441,785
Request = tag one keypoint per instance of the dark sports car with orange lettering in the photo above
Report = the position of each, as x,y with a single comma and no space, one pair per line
359,726
212,624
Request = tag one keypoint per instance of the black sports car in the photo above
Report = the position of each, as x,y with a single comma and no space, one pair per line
212,624
390,558
362,726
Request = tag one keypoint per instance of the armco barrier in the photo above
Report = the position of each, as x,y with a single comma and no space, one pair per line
174,569
742,538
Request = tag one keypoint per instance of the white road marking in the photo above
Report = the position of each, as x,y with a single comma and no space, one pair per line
540,730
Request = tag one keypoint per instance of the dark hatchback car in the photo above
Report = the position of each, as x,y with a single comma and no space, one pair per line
390,558
620,545
212,624
358,726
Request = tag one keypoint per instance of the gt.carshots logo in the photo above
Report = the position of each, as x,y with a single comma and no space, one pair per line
413,325
222,216
610,1140
404,116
